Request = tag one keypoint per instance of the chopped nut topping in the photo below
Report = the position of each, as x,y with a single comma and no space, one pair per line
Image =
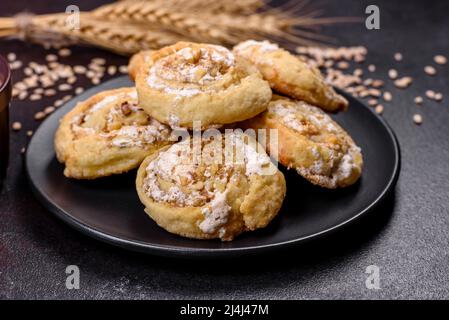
126,109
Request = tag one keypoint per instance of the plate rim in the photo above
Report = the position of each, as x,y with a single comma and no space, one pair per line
189,252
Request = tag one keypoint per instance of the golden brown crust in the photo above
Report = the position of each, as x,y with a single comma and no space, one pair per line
290,75
137,61
209,200
107,134
190,82
310,142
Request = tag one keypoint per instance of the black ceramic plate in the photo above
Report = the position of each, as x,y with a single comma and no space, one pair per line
109,210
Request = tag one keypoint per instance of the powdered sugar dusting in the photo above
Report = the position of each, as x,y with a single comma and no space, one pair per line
333,162
292,113
127,135
216,213
264,46
190,68
103,103
185,184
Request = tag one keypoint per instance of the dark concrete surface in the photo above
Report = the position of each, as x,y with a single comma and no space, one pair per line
407,238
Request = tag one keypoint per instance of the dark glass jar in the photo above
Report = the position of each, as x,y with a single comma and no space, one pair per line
5,98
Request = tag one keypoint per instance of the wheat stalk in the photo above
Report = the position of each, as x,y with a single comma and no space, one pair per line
224,28
155,14
213,6
53,29
129,26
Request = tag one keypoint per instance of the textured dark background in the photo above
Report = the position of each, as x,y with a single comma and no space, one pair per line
408,237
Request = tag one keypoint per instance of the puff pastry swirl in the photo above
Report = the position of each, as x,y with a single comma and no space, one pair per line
107,134
289,75
211,197
190,82
310,142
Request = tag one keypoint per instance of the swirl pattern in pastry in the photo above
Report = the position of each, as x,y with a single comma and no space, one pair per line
289,75
108,134
311,143
218,188
190,82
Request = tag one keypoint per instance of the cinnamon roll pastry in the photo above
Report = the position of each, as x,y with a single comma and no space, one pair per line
189,82
227,186
310,142
289,75
108,134
137,61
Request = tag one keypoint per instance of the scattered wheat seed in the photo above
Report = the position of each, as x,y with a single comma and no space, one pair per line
64,52
343,65
79,69
418,100
98,60
378,83
58,103
51,57
359,59
35,97
49,92
431,71
90,74
64,87
398,56
438,97
371,68
393,74
29,133
440,59
39,115
71,80
79,90
403,83
49,110
430,94
67,98
363,94
374,92
22,151
16,126
27,71
11,56
368,82
327,64
387,96
123,69
112,70
373,102
23,95
15,65
417,118
379,109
